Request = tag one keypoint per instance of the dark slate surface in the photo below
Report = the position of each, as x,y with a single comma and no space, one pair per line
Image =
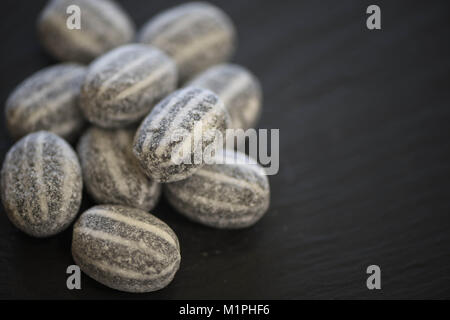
365,167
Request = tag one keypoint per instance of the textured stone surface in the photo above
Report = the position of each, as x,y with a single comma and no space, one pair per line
239,90
122,86
126,249
196,112
196,35
47,100
227,196
104,25
111,173
41,184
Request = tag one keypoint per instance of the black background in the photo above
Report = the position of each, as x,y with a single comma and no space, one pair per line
364,162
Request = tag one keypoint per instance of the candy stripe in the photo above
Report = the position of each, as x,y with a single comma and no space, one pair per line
38,162
134,223
117,240
216,177
106,267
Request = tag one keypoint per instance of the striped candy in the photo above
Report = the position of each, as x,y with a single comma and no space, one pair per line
111,173
48,100
239,90
103,26
125,248
226,196
196,35
41,184
192,111
122,86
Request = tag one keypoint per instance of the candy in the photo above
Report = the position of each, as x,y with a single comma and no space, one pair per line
125,248
196,35
184,117
48,100
239,90
103,26
122,86
41,184
226,196
111,172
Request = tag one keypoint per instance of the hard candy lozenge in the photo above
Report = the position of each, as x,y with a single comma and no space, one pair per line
196,35
41,184
103,25
239,90
227,196
122,86
111,173
125,248
173,127
48,100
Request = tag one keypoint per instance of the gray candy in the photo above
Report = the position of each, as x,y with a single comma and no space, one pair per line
172,132
41,184
111,173
122,86
227,196
48,100
239,90
103,26
196,35
125,248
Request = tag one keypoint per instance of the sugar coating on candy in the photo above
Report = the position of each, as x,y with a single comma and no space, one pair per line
47,100
122,86
182,118
239,90
111,173
226,196
103,26
41,184
196,35
125,248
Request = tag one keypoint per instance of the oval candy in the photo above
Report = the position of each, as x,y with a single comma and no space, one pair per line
125,248
47,100
196,35
103,25
41,184
239,90
111,173
122,86
226,196
174,127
